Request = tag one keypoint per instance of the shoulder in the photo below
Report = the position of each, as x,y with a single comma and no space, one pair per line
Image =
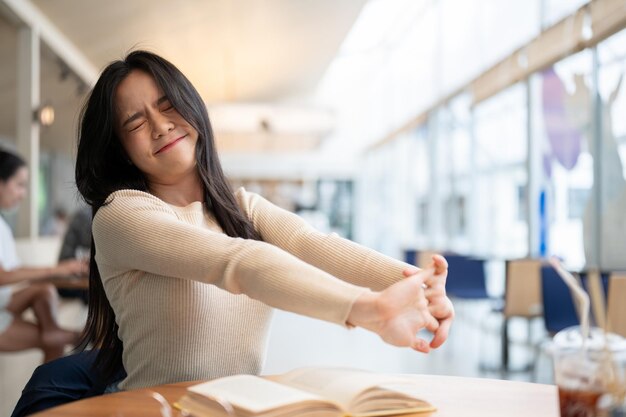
241,194
129,203
246,200
242,197
134,199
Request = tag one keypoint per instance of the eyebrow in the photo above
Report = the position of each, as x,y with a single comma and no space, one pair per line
139,114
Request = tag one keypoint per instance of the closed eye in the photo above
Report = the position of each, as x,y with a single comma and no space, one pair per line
166,106
137,127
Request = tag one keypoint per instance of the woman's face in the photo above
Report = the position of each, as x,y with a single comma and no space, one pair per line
155,136
13,190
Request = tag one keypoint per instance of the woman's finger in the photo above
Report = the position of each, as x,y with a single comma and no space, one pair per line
439,263
412,270
441,309
436,290
441,335
431,323
436,279
420,345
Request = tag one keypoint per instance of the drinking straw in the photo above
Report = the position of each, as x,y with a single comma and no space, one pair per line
596,292
579,294
615,385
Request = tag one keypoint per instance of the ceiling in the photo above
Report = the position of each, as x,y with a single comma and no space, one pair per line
234,51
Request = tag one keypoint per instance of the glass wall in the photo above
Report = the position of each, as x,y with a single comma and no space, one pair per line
500,154
419,183
454,162
563,131
539,169
612,149
401,56
383,219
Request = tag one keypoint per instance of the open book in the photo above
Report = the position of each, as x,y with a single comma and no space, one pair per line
312,392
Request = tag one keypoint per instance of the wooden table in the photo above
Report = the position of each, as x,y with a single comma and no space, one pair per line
453,397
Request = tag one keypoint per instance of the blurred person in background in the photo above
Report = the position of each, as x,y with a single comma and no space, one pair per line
56,224
23,288
76,245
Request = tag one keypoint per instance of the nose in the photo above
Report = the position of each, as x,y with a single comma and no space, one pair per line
161,125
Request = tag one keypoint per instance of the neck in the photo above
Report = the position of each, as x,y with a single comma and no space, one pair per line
181,193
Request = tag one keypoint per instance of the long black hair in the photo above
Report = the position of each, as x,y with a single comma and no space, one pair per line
9,164
103,167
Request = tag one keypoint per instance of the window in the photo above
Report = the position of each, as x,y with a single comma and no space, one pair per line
500,157
564,127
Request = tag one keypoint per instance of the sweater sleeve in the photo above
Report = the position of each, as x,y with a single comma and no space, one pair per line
137,231
339,257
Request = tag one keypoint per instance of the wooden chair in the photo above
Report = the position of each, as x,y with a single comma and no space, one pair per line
424,258
616,309
522,298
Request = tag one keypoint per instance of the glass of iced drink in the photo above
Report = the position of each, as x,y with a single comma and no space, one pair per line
590,375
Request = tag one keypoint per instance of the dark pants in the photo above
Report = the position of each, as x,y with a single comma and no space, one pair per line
61,381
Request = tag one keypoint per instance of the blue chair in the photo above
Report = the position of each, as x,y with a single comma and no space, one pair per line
466,277
410,256
467,282
559,311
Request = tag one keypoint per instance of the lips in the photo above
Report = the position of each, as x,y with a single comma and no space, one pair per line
170,145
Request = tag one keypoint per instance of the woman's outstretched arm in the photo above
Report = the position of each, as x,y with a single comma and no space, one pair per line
138,232
339,257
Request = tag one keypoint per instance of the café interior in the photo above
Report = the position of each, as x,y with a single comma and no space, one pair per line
487,131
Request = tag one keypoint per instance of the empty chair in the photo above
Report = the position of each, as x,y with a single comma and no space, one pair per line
425,257
410,256
522,298
467,282
466,277
616,309
559,311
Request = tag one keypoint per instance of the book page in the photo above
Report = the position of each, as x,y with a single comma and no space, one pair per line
251,393
337,384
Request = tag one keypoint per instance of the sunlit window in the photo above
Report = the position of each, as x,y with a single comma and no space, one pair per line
500,127
612,89
564,123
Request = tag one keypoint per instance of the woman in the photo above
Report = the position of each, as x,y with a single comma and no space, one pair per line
15,332
183,271
166,224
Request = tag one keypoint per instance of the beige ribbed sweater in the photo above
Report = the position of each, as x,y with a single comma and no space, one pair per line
157,261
